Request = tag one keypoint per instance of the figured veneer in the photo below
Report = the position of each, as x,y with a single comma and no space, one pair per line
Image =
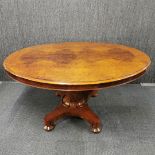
76,70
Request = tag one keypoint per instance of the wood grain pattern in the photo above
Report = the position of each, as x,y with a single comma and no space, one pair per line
77,69
25,23
76,63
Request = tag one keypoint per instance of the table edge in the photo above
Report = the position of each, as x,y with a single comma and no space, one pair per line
60,87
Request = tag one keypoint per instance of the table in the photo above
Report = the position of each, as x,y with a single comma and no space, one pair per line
76,71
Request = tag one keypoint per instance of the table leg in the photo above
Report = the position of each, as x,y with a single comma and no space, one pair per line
74,103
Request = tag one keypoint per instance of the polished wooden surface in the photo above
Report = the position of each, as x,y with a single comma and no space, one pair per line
76,63
76,70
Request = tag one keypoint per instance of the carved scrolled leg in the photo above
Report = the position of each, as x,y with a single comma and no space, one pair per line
51,117
87,114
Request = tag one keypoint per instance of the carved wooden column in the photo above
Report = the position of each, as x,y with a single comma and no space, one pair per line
74,103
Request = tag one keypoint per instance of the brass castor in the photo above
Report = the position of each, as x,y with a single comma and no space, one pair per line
96,130
49,128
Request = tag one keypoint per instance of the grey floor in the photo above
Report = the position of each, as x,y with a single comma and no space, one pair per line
127,113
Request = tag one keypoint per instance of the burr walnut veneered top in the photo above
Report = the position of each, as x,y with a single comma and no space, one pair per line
76,63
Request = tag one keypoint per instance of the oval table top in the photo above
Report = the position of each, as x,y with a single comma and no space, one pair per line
76,65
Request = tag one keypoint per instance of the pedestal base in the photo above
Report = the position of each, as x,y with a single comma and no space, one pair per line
74,104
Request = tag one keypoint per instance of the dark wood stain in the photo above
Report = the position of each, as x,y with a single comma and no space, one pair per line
91,55
64,56
119,54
